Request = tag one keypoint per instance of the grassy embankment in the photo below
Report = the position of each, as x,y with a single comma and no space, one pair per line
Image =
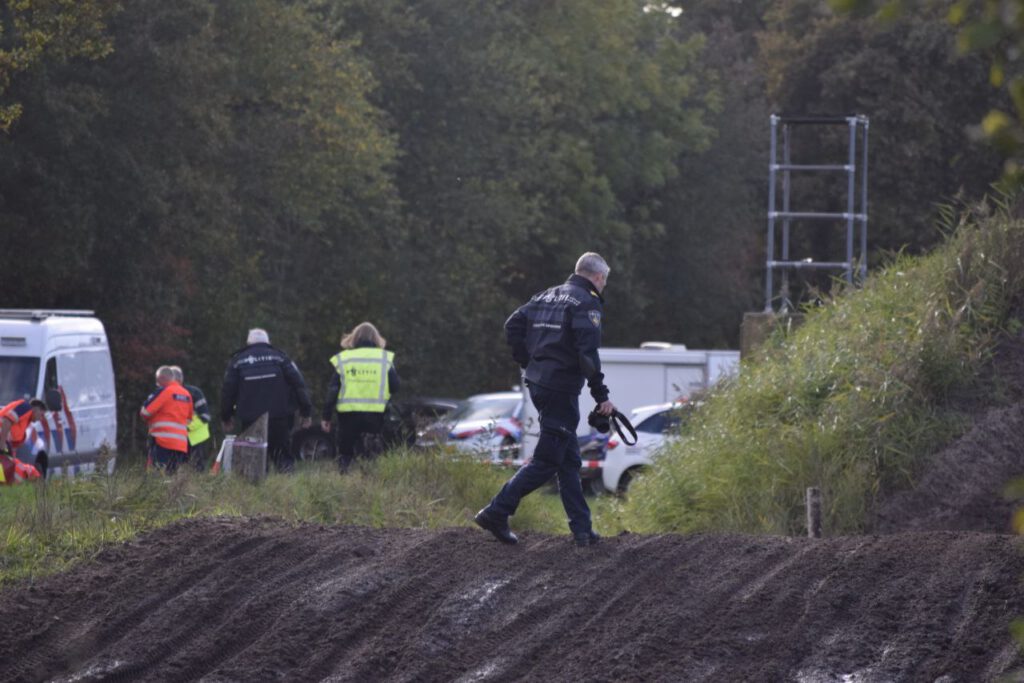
45,528
854,400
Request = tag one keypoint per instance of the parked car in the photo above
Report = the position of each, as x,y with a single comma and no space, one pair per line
404,419
491,425
654,373
656,425
486,424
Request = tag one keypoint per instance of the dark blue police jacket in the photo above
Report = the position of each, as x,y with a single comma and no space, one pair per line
555,337
261,379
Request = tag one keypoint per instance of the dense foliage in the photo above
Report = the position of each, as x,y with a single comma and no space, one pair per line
48,31
995,30
195,168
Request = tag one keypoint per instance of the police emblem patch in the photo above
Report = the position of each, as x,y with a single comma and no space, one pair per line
595,317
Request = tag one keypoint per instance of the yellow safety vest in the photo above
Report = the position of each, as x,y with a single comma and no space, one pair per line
198,431
364,379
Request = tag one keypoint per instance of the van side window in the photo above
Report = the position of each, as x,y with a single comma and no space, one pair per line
50,378
86,378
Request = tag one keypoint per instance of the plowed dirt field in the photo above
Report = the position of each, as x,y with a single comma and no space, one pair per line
258,600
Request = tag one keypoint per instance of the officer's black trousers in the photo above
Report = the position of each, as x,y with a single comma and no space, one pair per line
199,454
353,428
557,454
164,459
279,436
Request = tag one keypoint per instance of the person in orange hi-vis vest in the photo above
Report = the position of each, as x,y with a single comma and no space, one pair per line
15,418
167,411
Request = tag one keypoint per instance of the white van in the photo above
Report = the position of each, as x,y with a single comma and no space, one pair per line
654,373
62,357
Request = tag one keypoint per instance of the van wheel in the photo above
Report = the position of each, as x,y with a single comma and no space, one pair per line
42,462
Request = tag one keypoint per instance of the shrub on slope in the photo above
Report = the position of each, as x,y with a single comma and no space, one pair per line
851,401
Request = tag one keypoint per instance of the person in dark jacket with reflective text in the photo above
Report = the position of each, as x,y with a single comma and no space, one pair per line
261,379
554,337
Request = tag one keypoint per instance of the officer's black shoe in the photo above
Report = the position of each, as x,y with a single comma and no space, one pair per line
498,527
586,538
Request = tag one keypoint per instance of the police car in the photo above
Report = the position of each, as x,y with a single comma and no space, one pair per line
489,425
656,426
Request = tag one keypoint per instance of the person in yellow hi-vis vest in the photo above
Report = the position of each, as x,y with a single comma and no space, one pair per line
199,427
363,381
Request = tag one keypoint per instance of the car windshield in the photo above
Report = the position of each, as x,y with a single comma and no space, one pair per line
18,376
480,408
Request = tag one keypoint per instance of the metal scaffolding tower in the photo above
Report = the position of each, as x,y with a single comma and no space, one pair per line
853,216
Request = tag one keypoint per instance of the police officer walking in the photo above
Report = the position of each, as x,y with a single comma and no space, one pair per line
554,338
262,379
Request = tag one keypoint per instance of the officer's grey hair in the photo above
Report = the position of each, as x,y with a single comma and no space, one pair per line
258,335
591,263
179,376
164,372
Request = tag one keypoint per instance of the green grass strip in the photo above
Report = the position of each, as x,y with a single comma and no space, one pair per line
47,527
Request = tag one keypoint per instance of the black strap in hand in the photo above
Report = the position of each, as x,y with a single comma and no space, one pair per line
618,418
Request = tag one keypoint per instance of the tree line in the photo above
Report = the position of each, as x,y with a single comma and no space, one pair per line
196,168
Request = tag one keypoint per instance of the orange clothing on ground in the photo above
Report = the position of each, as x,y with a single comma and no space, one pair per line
14,471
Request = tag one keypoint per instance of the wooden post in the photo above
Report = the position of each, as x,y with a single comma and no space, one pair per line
814,512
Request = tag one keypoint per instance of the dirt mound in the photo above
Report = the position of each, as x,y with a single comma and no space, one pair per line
961,487
256,600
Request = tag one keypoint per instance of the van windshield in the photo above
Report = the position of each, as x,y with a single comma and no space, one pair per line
18,377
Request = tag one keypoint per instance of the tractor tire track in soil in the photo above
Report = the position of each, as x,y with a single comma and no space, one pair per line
258,599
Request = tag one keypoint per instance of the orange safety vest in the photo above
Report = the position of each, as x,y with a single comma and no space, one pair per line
19,423
168,413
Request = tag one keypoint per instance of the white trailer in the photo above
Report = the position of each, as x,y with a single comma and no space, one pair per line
656,372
